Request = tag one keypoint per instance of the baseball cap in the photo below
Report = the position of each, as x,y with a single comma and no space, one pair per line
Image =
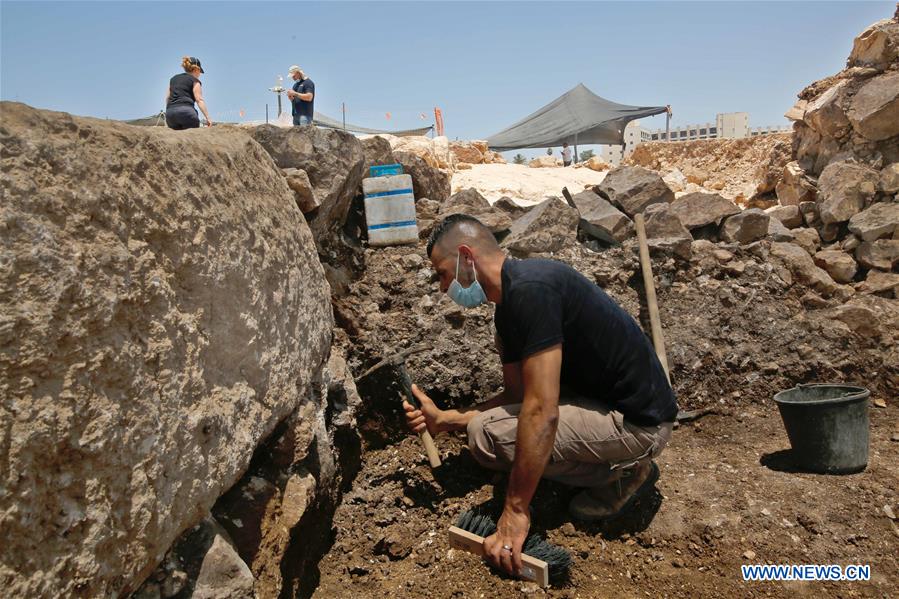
196,62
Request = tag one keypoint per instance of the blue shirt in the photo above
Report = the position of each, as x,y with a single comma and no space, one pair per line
302,107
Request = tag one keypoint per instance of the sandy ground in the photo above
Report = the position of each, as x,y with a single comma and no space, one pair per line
523,184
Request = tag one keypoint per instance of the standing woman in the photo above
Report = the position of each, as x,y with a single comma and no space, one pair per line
184,90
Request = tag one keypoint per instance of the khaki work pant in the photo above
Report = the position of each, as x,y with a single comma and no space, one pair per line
592,443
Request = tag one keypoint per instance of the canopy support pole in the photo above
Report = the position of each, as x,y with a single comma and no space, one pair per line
668,124
575,148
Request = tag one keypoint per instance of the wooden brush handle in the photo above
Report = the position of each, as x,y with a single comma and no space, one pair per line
658,340
533,569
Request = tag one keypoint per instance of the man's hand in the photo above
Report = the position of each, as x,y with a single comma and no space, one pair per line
511,532
427,417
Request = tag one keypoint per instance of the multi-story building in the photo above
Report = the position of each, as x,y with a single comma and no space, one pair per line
728,125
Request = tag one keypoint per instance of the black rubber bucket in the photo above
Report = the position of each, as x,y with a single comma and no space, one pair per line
827,426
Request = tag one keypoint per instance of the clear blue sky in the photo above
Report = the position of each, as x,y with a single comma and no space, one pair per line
485,64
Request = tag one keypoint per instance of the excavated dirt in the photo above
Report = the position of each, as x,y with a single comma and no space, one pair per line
736,334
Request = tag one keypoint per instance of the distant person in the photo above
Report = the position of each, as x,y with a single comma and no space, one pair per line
549,151
566,155
185,89
302,97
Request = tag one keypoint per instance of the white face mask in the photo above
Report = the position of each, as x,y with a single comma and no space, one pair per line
467,297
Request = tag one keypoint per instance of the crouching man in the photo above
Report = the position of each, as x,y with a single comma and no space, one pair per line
585,400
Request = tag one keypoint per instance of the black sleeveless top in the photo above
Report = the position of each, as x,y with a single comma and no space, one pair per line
182,88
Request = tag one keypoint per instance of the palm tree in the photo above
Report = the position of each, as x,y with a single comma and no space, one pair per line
519,159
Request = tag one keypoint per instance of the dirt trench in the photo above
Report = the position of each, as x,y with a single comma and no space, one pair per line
728,495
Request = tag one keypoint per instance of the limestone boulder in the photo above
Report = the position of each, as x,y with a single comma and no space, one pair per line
845,188
803,268
491,157
223,574
471,152
547,227
877,46
880,220
747,226
810,215
333,161
874,112
665,233
545,162
427,181
472,203
633,188
825,114
807,238
695,210
789,216
377,152
778,232
595,163
838,264
880,282
153,338
675,180
599,219
794,186
882,254
434,152
298,182
510,207
889,179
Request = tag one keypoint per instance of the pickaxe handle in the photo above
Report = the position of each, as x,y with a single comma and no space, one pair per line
427,440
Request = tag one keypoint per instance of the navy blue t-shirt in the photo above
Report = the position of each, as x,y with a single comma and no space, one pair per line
302,107
182,90
605,353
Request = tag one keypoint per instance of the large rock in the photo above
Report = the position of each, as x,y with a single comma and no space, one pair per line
877,46
471,202
838,264
874,112
808,239
878,281
778,232
510,207
801,265
594,163
880,220
333,161
789,216
547,227
599,219
825,114
665,233
223,575
472,152
633,188
889,178
845,188
882,254
794,187
695,210
377,152
435,152
152,338
747,226
545,161
298,182
427,181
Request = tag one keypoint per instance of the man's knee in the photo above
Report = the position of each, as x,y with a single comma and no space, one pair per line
479,441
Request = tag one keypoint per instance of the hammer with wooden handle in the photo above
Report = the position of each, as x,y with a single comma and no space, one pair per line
398,360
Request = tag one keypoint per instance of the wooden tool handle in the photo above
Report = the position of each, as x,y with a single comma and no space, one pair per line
532,569
427,441
658,341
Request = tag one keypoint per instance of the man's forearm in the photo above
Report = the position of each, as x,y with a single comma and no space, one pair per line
457,420
537,423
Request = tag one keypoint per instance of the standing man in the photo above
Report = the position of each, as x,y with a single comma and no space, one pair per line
302,97
566,154
585,400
